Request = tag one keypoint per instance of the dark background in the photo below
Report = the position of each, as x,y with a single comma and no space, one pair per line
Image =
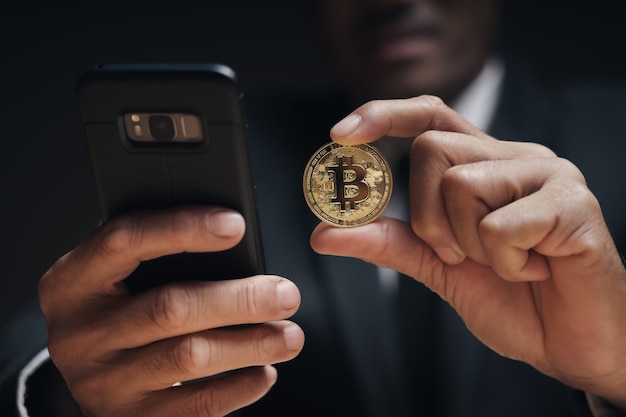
44,46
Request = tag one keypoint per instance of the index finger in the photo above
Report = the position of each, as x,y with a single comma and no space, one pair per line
400,118
116,248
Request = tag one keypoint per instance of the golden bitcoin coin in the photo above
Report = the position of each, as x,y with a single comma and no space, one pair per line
347,186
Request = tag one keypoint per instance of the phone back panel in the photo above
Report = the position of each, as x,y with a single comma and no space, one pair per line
138,176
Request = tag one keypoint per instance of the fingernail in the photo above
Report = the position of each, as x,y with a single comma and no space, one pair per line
226,224
288,294
271,373
294,337
451,256
346,126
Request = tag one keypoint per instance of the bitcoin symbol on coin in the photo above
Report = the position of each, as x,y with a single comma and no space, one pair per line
347,186
350,186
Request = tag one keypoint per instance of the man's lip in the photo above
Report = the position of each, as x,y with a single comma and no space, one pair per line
398,33
391,46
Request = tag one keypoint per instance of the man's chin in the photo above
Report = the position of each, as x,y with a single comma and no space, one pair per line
405,81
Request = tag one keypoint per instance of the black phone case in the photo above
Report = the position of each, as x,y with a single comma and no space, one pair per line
216,170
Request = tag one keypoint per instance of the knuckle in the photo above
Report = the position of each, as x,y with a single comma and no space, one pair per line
57,343
208,404
439,109
539,150
45,287
575,188
46,281
427,229
458,179
490,230
572,171
90,387
431,100
57,350
248,300
195,352
49,285
120,235
92,392
71,345
264,346
170,306
191,223
373,107
583,196
514,150
427,144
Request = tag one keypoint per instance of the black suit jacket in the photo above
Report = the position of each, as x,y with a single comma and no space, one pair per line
355,361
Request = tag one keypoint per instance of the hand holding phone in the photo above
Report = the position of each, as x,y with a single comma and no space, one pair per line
126,355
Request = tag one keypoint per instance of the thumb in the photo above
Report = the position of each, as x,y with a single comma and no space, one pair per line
386,242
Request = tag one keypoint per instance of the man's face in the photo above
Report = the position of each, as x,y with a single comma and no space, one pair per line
400,48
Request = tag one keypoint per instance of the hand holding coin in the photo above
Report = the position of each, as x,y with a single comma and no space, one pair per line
508,233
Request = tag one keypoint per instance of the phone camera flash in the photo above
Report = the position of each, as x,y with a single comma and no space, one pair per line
135,117
137,129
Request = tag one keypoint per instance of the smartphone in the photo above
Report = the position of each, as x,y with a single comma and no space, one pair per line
165,135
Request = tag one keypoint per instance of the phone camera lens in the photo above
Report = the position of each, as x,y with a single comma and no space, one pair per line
162,127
